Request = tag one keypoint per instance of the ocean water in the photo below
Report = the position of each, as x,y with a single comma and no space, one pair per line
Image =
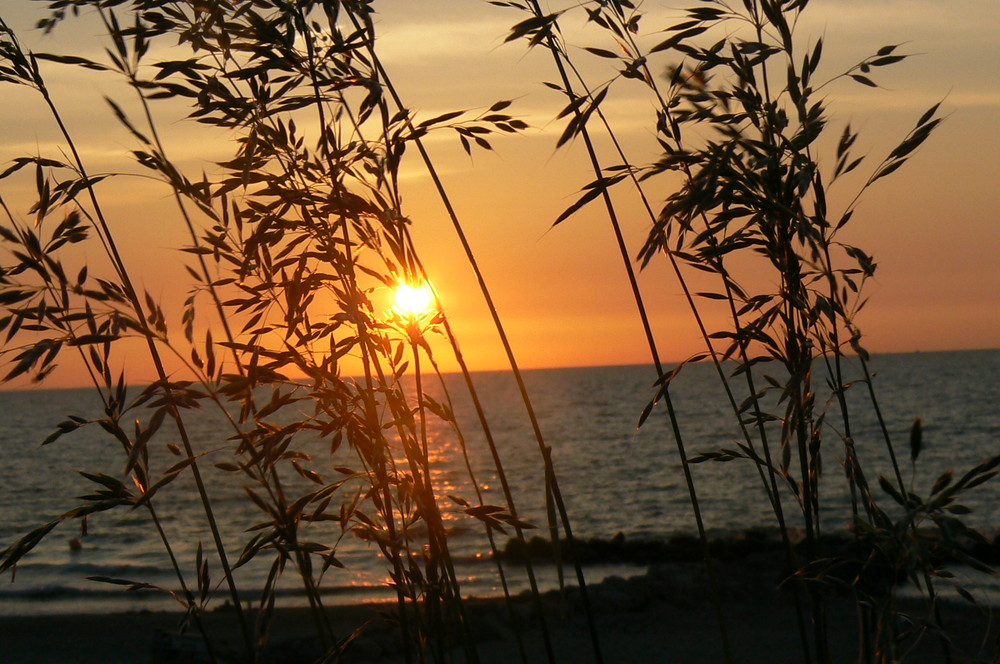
614,476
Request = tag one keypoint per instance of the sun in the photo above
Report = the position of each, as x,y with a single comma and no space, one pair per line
414,300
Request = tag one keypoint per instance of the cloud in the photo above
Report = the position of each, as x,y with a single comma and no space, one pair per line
435,43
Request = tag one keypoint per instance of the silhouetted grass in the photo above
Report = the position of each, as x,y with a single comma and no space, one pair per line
305,209
303,224
741,118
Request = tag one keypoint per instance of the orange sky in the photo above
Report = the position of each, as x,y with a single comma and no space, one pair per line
932,228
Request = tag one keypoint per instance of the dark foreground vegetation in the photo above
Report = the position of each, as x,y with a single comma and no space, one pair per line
300,225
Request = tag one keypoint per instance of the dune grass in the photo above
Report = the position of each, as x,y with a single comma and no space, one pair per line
742,119
306,208
303,225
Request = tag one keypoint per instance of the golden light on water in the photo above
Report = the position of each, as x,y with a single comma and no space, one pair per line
414,300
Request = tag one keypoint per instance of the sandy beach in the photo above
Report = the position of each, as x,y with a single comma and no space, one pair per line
633,624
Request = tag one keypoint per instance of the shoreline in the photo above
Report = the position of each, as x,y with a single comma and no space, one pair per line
663,616
756,548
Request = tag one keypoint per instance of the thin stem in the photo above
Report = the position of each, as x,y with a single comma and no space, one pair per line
470,257
136,303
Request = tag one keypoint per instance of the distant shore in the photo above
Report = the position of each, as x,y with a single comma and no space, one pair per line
664,616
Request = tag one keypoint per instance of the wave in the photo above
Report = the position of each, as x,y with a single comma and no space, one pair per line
107,591
82,569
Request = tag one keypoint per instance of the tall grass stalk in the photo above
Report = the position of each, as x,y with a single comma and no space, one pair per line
621,19
28,63
544,29
760,188
753,186
551,481
281,226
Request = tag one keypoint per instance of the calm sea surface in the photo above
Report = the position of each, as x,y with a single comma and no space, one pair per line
615,477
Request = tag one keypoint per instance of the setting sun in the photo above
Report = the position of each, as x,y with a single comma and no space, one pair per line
414,300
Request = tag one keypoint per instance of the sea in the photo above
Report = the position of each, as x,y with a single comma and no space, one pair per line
615,477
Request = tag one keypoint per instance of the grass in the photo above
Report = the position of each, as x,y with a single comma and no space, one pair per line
306,215
742,119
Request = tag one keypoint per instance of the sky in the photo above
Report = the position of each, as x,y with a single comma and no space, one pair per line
933,227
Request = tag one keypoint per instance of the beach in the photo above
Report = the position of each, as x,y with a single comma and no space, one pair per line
634,622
